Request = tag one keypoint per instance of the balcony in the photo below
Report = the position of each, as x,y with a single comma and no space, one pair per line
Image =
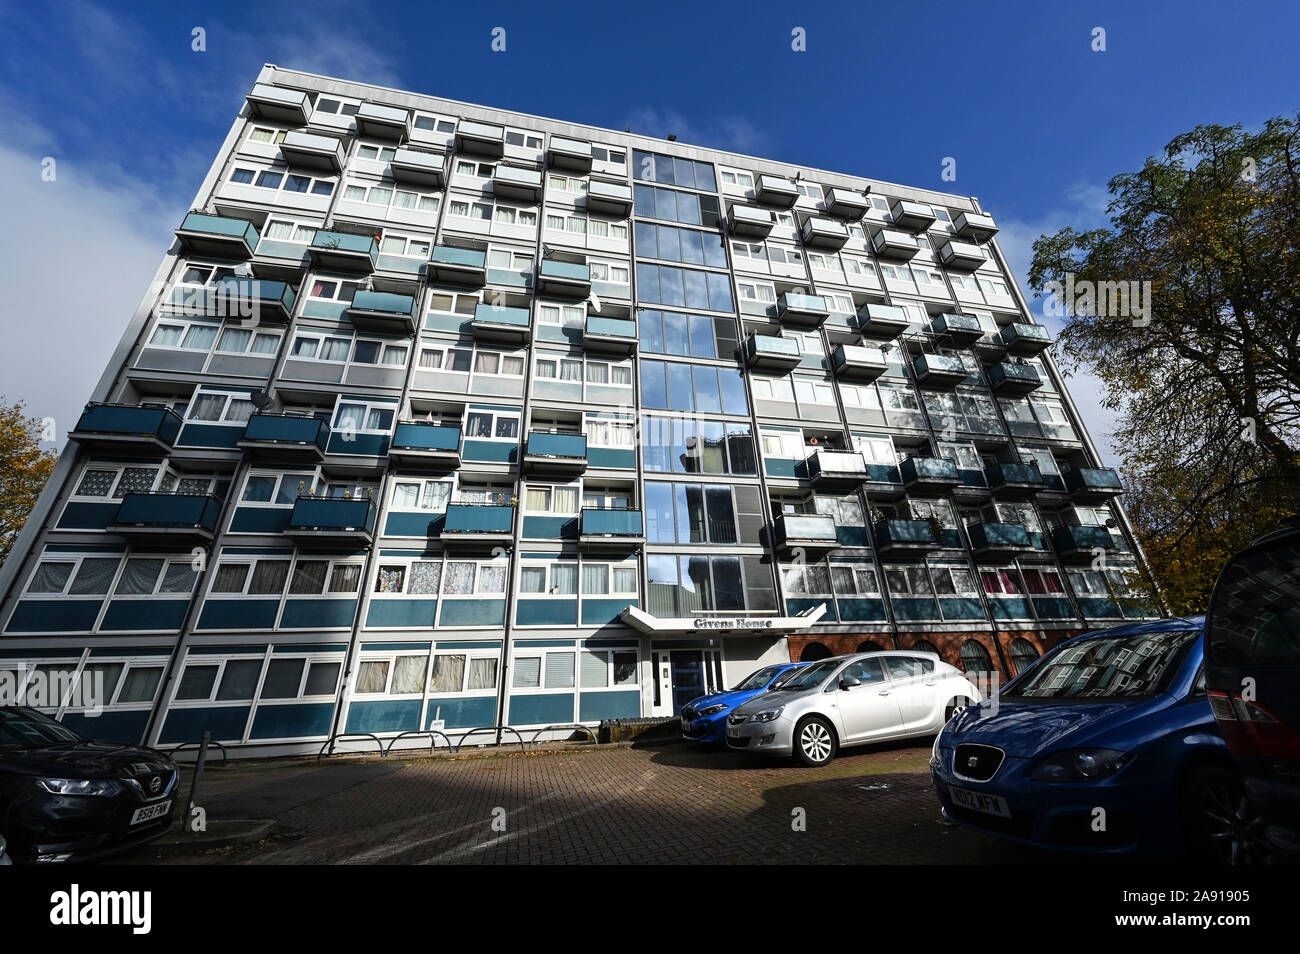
242,298
1024,339
517,184
961,256
1007,480
776,190
806,531
344,252
846,204
903,539
376,121
483,139
823,233
1080,544
856,363
975,226
419,168
555,454
385,312
500,323
832,471
929,476
478,524
132,428
1006,378
893,244
421,443
748,222
939,370
188,518
961,330
278,105
458,266
346,521
610,529
558,279
802,311
609,198
571,154
1092,485
218,236
772,352
999,541
312,151
609,335
881,322
289,438
911,216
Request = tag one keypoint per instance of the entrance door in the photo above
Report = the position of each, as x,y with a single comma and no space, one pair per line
688,677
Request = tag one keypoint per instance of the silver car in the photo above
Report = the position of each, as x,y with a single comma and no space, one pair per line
851,700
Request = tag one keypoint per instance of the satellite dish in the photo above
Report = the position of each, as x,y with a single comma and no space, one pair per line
261,400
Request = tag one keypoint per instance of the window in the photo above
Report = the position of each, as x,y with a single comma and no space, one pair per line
737,178
376,153
608,669
430,123
245,341
550,670
462,672
688,246
492,425
548,578
652,167
477,170
447,359
674,386
374,417
612,273
609,432
385,196
683,446
975,658
461,578
267,488
281,180
464,209
689,513
327,289
673,206
1023,655
696,336
764,293
406,246
184,335
73,576
809,191
993,286
336,106
431,494
562,316
512,215
570,184
206,679
157,576
685,585
953,581
297,677
226,407
550,498
416,578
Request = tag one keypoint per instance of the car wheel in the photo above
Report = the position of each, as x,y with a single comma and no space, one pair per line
814,742
1219,821
953,707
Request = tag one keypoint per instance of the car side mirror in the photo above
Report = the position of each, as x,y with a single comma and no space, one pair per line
848,682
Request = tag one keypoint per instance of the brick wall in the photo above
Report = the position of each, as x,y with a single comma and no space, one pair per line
820,645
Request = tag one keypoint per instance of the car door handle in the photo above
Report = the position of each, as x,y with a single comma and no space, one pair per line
883,692
931,682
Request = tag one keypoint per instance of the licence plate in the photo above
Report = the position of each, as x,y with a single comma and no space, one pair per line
733,731
980,801
151,812
686,726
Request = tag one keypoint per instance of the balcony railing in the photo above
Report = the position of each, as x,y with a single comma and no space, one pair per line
189,516
962,256
375,120
609,198
125,425
415,441
286,435
1000,540
546,452
881,322
486,139
333,519
776,190
835,470
960,329
345,251
912,216
891,243
749,222
1092,484
564,279
217,235
478,522
278,104
807,530
846,204
607,527
803,311
500,323
240,298
1008,378
1072,541
821,232
896,537
313,151
858,363
1012,479
929,474
565,153
975,226
517,183
383,311
939,370
1022,338
609,335
420,168
458,266
772,352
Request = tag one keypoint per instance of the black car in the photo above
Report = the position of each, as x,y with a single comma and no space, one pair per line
1252,674
66,798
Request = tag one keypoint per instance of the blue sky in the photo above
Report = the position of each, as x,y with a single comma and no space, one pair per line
1035,119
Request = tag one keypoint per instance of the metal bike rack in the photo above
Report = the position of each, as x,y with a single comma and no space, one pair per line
329,743
566,725
431,733
523,747
224,758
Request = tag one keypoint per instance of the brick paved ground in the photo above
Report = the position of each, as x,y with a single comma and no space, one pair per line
627,805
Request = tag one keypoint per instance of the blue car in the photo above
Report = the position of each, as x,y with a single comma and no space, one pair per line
1106,745
704,719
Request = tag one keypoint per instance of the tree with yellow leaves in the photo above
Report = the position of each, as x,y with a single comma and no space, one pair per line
24,468
1207,381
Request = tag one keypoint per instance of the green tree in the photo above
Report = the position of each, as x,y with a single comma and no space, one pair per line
1206,383
24,468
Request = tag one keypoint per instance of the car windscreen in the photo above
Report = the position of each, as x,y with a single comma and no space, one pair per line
814,675
757,680
1105,667
27,728
1254,617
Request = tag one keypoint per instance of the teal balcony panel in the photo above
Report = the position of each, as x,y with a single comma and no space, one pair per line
601,529
931,475
999,541
609,335
450,265
1023,338
1007,479
802,311
383,312
555,453
345,252
136,427
333,520
772,353
1081,544
563,279
218,236
285,437
903,538
1092,484
501,323
809,531
478,523
188,517
415,442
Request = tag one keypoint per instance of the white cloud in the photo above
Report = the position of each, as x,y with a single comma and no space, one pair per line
728,132
78,253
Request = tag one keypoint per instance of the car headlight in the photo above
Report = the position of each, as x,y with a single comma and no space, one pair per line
767,715
79,786
711,710
1080,765
934,750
